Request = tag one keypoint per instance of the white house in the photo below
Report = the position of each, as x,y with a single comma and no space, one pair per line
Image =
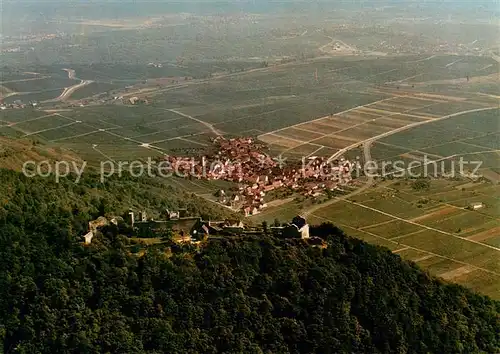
88,237
476,206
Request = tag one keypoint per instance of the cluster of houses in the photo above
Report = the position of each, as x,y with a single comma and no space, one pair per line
156,65
189,229
136,100
17,104
242,160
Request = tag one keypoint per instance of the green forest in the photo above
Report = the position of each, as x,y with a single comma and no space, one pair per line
230,295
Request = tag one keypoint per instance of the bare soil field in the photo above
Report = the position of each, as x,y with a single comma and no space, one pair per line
392,123
485,235
360,133
338,123
438,214
353,117
304,150
299,134
409,101
280,141
379,111
358,112
333,141
319,128
460,271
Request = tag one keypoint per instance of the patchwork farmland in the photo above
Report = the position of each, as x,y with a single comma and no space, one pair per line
380,119
317,107
432,228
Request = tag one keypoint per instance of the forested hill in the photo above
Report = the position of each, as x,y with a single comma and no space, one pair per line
247,295
72,206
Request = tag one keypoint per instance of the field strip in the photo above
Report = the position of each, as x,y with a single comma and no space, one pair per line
401,249
302,142
378,111
328,116
381,73
363,123
409,126
474,145
402,80
375,225
308,130
406,151
488,95
340,69
31,120
23,80
177,137
282,137
208,125
421,116
485,235
418,61
455,273
390,105
49,129
159,131
105,122
448,142
335,134
415,248
485,67
161,121
421,225
123,137
68,118
364,110
423,258
442,97
406,235
453,62
74,136
193,142
442,212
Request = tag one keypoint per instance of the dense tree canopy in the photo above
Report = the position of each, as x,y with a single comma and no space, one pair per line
244,295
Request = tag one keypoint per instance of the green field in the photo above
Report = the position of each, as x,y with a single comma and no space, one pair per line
34,96
440,231
473,136
39,84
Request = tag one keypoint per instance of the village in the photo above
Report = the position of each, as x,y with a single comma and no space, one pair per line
244,162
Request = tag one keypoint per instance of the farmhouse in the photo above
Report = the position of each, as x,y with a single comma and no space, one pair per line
476,206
